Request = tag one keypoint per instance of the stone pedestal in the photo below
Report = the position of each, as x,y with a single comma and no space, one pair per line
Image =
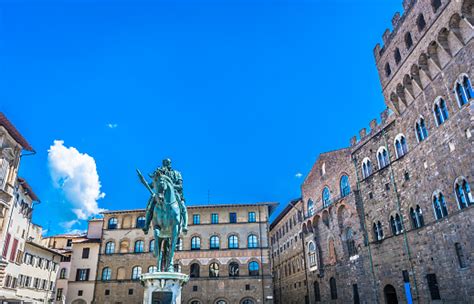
163,287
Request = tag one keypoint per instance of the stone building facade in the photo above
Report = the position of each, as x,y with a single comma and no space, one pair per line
289,267
388,219
225,251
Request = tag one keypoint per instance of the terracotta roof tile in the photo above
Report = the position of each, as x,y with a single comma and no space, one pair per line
14,133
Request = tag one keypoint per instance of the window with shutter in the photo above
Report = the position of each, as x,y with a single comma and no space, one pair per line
13,252
7,243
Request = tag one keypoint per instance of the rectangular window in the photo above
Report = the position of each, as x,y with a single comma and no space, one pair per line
69,243
130,291
196,219
355,291
59,294
107,292
252,218
433,286
85,253
80,293
233,217
214,218
460,254
13,252
7,243
82,274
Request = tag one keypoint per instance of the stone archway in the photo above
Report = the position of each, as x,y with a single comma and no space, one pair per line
390,294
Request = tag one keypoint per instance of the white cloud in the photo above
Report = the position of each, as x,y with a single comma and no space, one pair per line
76,175
112,125
298,175
68,224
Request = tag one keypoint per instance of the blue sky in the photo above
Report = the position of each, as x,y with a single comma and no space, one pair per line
242,95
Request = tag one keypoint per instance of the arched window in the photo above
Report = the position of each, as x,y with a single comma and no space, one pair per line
388,71
136,272
138,246
62,273
214,270
397,56
420,22
152,268
344,185
310,207
350,243
253,268
435,4
233,269
396,224
378,231
366,167
416,217
420,130
195,302
195,270
214,242
312,254
252,241
110,247
233,242
463,193
326,197
333,287
152,245
439,206
140,222
401,147
382,157
221,302
408,40
390,294
112,223
317,292
195,243
106,274
440,111
464,91
247,301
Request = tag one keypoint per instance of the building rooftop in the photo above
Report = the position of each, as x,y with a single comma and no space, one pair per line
14,133
287,209
29,190
271,205
44,248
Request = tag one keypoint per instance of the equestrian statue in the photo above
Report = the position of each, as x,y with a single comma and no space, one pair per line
166,212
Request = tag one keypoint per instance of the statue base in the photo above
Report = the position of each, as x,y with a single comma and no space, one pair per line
163,287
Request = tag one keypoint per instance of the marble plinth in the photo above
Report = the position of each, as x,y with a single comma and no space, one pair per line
163,287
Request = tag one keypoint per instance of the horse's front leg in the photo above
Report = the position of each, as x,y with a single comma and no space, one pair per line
172,245
157,249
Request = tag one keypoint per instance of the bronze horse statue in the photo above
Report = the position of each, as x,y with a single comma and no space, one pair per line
166,220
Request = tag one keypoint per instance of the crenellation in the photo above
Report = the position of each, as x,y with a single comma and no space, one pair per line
362,133
373,125
395,19
385,37
353,141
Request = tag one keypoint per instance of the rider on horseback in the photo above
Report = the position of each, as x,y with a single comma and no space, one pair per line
177,181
